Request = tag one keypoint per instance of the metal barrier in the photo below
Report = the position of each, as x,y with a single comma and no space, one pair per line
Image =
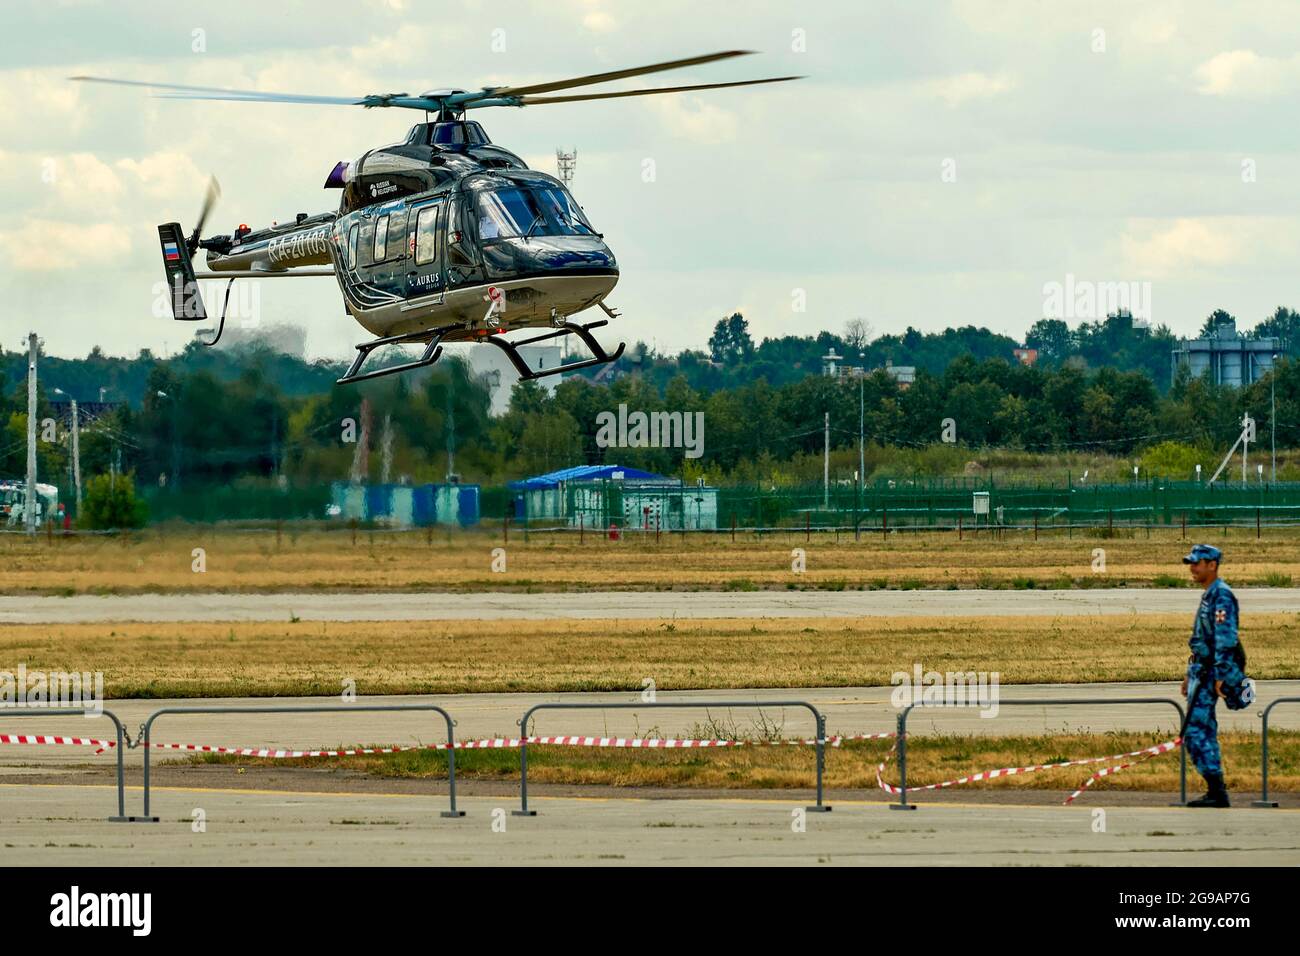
332,709
523,810
1263,800
1052,701
117,725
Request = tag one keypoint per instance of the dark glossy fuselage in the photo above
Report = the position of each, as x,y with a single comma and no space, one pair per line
426,229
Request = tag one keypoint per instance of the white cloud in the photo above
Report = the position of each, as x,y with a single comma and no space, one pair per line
1155,25
40,245
165,175
79,176
693,118
959,89
1183,247
1247,73
595,15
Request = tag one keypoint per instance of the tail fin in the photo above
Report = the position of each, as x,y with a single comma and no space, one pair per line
187,303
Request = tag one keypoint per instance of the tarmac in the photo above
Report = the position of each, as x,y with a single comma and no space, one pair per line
54,825
621,605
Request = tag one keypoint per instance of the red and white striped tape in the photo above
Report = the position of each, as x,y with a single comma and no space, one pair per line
635,743
646,743
66,741
1141,756
1144,754
497,743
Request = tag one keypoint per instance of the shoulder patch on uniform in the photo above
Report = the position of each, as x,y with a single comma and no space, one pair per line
1220,616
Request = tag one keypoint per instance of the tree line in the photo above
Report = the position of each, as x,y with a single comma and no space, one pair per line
252,415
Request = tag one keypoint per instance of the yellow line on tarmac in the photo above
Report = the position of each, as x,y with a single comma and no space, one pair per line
579,799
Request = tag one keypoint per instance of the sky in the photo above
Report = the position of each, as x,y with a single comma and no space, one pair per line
941,164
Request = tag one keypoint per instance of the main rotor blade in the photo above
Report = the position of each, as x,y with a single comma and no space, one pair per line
605,77
541,100
219,93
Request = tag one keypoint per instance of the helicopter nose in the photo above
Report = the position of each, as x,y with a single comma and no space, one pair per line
568,295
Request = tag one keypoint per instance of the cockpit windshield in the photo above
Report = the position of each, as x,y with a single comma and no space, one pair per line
522,211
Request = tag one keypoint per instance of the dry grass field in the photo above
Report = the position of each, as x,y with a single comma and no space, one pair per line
851,766
161,560
426,657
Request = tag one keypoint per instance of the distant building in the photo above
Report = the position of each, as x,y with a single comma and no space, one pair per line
833,367
1229,357
404,506
904,375
597,496
495,367
1025,355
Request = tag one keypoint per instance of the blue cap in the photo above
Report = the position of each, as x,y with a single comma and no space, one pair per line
1202,552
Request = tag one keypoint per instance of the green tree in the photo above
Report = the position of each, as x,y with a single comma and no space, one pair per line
109,502
730,343
1215,319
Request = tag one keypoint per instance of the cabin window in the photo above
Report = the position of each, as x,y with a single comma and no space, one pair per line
426,234
381,239
352,246
512,212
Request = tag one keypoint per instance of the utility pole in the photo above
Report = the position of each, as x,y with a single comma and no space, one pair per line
451,434
76,456
826,466
29,506
862,418
386,450
1272,415
1245,444
361,456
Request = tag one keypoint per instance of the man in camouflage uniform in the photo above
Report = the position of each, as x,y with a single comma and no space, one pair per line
1216,660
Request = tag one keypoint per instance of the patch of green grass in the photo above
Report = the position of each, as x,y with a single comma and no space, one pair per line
1168,581
930,759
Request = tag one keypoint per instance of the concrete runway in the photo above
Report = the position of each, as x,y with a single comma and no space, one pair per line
65,825
624,605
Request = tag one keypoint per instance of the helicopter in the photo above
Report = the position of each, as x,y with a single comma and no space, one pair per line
444,237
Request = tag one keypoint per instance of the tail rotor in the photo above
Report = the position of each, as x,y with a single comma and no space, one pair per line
209,200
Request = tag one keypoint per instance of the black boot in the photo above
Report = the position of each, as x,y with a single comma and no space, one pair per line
1215,796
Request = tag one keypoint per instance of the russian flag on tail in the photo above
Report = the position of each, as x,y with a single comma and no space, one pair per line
171,252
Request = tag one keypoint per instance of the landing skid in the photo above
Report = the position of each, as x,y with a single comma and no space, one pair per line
433,350
598,354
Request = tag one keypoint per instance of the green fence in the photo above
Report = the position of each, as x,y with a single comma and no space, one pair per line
238,502
898,503
952,503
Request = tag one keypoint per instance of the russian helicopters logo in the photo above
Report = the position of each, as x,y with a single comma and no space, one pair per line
382,189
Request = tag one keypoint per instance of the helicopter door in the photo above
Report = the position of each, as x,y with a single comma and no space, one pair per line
424,266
